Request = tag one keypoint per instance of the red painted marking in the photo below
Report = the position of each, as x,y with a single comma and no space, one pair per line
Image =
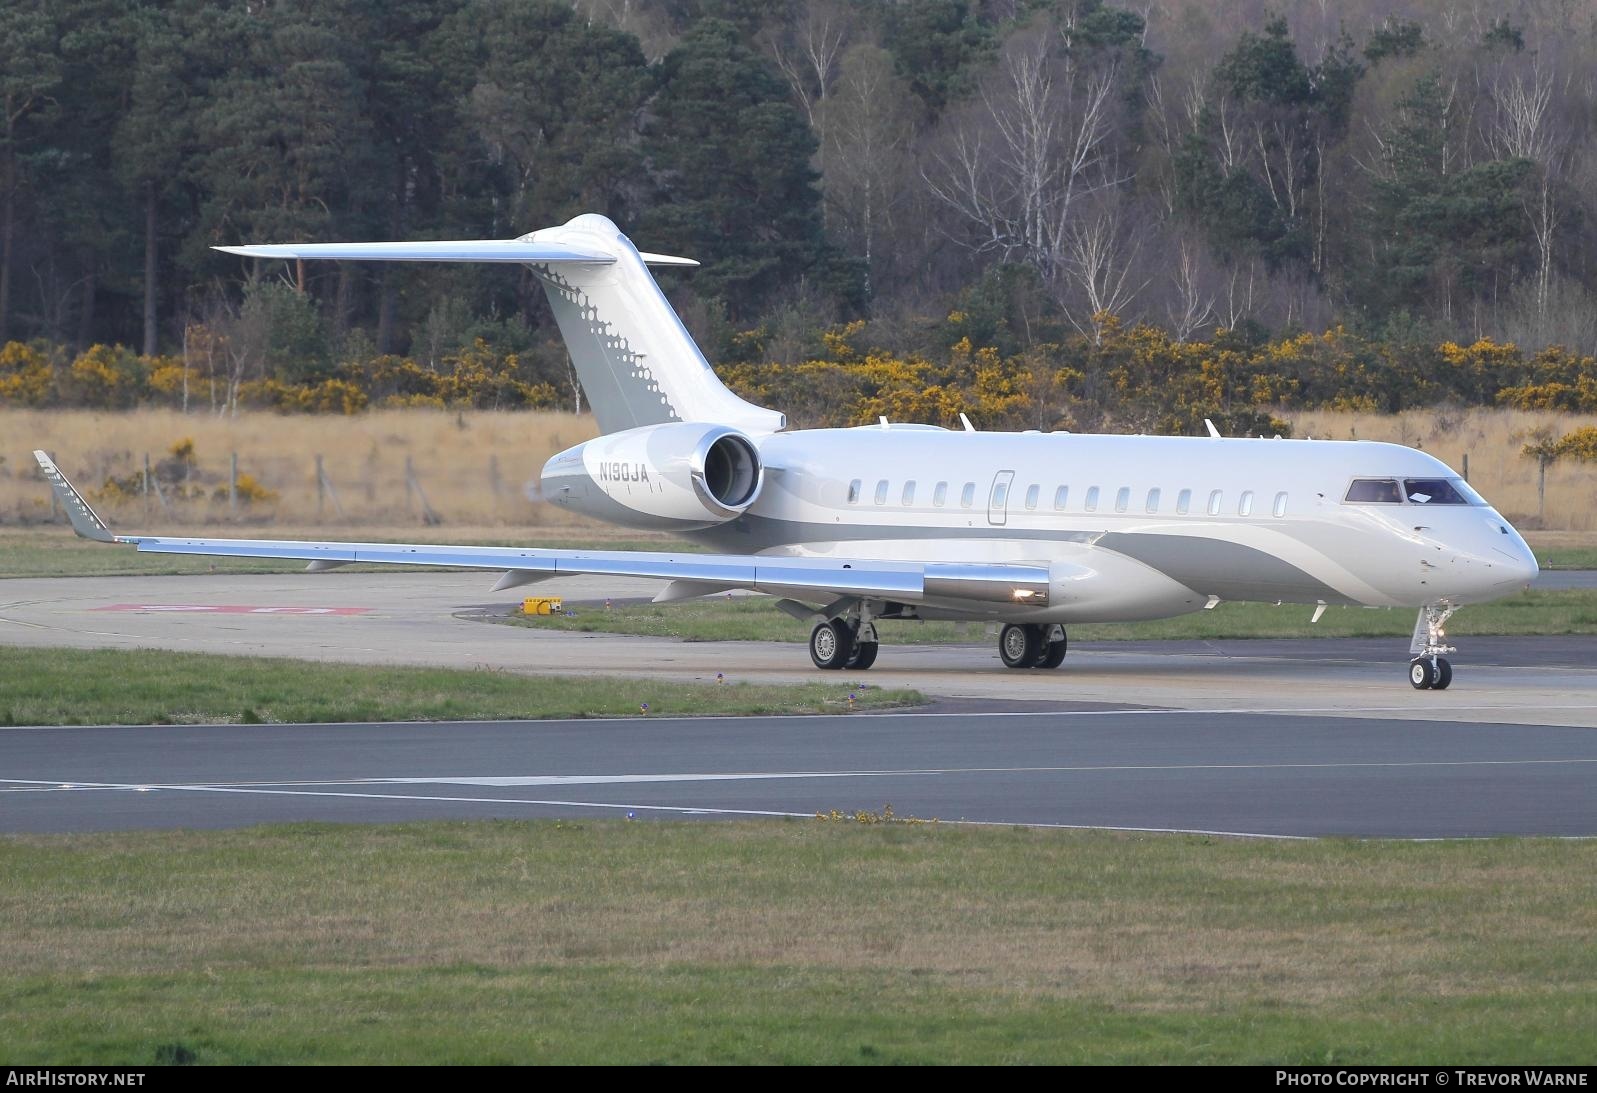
232,609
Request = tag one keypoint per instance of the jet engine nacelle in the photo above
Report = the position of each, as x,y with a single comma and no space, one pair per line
678,475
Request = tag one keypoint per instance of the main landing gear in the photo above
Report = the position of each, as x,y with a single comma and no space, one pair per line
839,643
848,639
1430,670
1027,645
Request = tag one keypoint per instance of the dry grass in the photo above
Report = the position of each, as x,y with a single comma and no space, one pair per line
454,455
1492,439
1152,924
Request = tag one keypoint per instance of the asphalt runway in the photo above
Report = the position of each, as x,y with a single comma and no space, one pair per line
1243,774
438,619
1277,738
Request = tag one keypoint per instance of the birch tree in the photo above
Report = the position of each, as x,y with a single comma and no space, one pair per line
869,122
1040,137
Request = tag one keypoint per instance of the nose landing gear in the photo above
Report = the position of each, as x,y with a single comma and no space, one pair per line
1430,670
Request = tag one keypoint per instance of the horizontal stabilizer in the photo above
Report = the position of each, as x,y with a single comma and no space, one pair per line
460,250
463,250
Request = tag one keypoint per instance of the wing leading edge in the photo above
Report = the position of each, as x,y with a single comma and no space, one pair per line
698,574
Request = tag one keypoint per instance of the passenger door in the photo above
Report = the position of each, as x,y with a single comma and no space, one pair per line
998,498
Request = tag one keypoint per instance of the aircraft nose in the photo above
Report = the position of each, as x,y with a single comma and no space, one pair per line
1524,567
1513,557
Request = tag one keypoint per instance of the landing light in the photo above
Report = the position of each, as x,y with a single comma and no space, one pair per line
1024,593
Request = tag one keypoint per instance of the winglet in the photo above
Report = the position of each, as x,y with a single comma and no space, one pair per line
85,521
1214,434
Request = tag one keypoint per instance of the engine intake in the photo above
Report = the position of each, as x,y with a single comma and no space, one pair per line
726,469
681,475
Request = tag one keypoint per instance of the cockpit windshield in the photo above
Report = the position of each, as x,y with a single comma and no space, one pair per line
1435,491
1416,491
1374,491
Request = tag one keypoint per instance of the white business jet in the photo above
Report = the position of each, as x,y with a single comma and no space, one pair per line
853,528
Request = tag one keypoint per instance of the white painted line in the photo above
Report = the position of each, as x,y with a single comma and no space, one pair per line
693,810
262,789
508,781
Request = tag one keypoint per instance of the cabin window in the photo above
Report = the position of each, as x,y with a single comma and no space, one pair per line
1032,492
1216,500
1433,491
1245,506
881,492
1183,502
1000,495
1092,500
1374,491
909,493
1280,504
967,496
1122,498
1061,495
1153,499
853,492
940,494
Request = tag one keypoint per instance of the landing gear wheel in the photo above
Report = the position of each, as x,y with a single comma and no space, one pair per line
1054,655
1020,646
831,644
864,656
1430,670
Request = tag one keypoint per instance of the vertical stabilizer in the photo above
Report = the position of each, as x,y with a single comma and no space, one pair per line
636,360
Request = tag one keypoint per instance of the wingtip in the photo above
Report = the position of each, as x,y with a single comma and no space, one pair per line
667,260
85,521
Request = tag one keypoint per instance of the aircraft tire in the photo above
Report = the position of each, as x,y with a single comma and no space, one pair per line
1444,674
864,656
1020,646
1421,674
1054,655
831,644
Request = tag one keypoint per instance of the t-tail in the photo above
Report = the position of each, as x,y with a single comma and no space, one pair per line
637,362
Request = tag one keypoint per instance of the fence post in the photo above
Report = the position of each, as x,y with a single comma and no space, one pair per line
160,494
324,488
1466,466
412,483
152,484
232,487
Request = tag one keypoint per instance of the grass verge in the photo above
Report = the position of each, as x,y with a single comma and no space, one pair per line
1567,558
750,618
789,942
149,687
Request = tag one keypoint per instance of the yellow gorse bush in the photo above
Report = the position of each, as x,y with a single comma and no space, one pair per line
1130,378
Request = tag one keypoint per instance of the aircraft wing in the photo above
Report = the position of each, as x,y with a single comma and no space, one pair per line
691,574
